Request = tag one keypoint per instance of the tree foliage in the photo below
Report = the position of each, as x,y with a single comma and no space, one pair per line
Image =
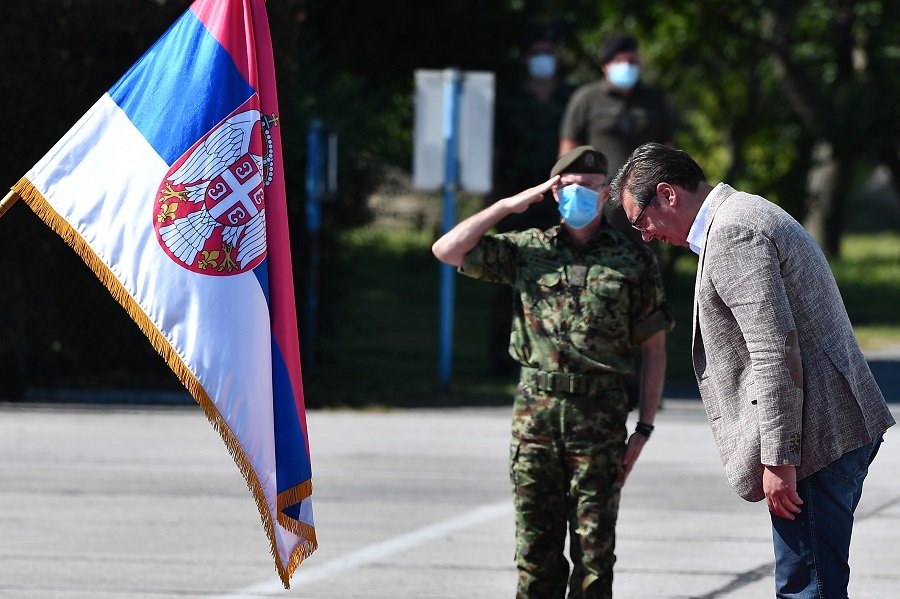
794,100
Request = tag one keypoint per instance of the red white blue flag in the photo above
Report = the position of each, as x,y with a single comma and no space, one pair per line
171,188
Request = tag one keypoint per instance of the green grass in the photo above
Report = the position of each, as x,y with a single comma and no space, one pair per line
868,273
379,328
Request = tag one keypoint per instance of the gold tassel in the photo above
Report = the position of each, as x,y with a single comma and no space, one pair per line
294,495
291,497
39,205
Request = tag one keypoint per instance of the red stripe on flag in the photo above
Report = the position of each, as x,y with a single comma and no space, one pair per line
233,30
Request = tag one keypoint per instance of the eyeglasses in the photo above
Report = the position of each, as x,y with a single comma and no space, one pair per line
634,222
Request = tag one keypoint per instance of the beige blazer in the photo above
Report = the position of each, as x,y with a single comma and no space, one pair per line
780,372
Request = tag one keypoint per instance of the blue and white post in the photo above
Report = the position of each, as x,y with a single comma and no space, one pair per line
452,89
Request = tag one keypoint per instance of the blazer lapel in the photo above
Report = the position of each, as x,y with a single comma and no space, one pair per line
724,193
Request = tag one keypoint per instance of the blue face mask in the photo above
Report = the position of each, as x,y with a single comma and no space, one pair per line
623,75
578,205
542,66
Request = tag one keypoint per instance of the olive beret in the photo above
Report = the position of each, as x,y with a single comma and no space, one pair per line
583,159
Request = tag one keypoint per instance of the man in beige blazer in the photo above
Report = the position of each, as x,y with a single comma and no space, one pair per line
794,409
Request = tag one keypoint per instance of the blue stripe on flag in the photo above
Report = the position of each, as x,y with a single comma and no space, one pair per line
181,88
262,275
292,467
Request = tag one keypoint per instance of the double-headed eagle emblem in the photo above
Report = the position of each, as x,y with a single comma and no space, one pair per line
211,210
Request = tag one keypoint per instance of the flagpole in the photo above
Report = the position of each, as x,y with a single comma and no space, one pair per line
8,201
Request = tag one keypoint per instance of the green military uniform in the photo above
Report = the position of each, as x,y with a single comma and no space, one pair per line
616,123
578,313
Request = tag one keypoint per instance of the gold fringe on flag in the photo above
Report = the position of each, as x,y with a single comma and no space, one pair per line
291,497
39,205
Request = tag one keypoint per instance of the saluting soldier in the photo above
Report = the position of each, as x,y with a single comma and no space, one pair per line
584,297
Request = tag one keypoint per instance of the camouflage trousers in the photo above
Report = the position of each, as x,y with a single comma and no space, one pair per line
565,465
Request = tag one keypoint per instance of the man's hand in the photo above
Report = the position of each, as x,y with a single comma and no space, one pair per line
632,451
522,200
780,487
453,246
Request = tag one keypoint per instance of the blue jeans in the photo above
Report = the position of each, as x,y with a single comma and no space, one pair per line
812,551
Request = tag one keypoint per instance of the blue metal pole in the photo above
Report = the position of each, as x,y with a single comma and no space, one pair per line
314,186
452,91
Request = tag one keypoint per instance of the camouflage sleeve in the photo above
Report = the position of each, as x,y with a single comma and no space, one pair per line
651,312
493,259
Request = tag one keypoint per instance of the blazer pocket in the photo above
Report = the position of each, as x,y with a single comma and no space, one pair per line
847,380
842,371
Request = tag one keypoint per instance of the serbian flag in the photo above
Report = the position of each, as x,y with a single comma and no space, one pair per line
171,188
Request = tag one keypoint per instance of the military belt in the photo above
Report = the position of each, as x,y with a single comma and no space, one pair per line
568,382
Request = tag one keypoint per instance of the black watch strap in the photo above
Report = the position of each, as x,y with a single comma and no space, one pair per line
644,429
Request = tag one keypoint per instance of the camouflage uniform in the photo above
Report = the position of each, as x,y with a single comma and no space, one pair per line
578,313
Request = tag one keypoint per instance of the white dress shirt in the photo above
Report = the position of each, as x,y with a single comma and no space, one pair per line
697,235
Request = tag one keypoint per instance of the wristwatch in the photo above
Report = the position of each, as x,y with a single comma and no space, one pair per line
644,428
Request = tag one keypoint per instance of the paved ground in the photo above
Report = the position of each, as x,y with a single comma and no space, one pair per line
110,501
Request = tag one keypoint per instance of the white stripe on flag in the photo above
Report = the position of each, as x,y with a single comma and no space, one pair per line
102,177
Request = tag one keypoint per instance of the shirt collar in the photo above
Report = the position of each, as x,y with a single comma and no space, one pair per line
697,235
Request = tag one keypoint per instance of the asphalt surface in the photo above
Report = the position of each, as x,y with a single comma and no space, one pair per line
115,501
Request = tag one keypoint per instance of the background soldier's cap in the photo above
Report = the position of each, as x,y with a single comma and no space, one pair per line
617,43
547,34
583,159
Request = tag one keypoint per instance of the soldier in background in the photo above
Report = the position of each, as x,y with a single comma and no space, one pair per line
528,113
616,114
585,295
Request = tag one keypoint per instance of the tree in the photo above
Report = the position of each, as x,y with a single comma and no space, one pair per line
801,96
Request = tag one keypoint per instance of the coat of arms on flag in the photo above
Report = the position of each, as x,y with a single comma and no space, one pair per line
172,191
211,213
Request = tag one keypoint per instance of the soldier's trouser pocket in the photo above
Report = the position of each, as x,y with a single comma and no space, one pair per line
539,493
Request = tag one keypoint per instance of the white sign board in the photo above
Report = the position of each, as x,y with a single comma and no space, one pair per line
475,133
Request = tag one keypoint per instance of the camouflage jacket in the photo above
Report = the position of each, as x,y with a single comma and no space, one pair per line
575,310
